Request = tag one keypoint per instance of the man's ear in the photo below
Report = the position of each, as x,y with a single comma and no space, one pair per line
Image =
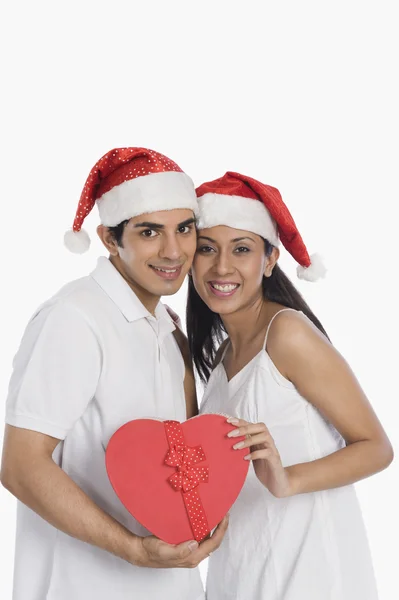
108,240
271,262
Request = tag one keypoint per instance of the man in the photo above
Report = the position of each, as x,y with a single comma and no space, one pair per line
99,353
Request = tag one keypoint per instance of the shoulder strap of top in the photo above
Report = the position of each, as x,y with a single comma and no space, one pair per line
220,357
271,321
224,351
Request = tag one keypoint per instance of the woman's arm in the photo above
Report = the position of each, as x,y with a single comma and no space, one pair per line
304,356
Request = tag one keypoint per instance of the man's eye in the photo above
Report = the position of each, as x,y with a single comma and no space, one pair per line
185,229
149,233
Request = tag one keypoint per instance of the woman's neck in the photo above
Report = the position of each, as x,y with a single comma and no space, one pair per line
244,327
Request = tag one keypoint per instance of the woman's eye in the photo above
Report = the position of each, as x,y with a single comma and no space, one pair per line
205,249
149,233
242,249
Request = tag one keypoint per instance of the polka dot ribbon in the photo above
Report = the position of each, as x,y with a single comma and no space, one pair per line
187,477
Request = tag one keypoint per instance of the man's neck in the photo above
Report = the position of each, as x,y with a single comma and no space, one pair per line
148,300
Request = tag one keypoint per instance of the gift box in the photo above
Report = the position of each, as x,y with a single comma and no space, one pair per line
177,479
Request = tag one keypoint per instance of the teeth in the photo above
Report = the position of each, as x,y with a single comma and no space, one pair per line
166,270
224,288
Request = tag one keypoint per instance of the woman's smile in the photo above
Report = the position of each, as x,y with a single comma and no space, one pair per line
223,289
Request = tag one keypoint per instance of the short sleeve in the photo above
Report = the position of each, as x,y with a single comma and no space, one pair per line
55,371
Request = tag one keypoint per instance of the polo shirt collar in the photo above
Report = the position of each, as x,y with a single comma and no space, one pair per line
118,290
163,323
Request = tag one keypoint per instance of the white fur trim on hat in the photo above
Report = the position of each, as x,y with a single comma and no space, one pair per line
168,190
77,242
239,213
315,271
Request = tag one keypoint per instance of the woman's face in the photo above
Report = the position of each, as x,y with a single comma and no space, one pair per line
228,268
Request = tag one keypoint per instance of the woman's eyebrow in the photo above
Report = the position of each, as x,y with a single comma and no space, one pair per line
205,237
242,238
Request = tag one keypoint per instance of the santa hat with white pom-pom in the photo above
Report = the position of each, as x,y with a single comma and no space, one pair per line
244,203
125,183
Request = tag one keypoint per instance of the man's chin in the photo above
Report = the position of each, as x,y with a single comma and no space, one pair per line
168,288
171,288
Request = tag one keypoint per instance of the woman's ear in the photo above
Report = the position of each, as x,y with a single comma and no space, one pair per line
271,262
108,240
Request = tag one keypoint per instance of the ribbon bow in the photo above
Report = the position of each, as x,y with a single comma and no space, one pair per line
187,477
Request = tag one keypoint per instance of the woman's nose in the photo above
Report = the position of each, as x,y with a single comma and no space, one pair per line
223,264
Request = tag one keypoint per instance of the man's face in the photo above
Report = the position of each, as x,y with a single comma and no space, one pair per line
157,251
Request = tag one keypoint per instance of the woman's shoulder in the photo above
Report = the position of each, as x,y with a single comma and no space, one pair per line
283,319
291,333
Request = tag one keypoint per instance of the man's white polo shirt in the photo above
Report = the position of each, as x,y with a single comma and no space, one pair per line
91,359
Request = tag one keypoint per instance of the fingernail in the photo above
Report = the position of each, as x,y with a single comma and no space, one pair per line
239,445
234,433
233,420
247,457
193,546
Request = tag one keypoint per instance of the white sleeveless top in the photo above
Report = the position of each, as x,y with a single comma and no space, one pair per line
306,547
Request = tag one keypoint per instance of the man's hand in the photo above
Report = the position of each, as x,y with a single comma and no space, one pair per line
153,552
29,472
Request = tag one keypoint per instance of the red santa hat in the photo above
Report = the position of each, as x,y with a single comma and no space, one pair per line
125,183
241,202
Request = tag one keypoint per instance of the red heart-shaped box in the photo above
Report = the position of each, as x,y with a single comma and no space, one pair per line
135,462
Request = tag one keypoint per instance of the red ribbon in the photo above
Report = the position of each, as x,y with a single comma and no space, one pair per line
187,477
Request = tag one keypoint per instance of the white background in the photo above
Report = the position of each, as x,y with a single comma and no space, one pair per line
302,95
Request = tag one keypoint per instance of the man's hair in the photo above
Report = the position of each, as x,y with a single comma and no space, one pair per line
117,232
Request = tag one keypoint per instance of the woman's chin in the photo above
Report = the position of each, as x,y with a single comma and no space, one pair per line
221,306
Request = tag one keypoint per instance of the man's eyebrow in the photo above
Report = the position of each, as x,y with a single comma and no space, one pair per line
187,222
150,225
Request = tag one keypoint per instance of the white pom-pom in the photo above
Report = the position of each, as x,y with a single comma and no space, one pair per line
77,242
315,271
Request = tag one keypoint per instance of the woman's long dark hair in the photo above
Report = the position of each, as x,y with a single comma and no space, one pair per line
205,328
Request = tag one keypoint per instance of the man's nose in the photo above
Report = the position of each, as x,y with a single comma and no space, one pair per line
171,248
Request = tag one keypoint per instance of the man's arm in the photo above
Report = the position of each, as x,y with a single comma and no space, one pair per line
29,473
55,376
189,381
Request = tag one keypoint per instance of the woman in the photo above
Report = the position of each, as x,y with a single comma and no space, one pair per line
296,530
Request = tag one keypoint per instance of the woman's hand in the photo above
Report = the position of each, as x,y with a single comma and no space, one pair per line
265,456
175,317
